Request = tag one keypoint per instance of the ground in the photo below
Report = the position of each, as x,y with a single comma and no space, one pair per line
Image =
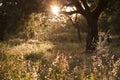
58,58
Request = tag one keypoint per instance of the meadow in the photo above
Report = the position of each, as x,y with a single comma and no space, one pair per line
58,55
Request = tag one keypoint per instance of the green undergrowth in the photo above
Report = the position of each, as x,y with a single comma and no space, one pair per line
37,60
57,55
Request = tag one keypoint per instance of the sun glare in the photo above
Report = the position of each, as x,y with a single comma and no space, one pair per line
1,4
55,10
68,9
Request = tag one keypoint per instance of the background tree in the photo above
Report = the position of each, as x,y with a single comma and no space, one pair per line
114,18
14,13
79,23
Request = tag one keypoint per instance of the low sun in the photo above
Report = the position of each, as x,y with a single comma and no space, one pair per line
55,10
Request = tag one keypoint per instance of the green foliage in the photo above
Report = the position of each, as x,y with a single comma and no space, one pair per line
62,66
56,60
109,19
14,14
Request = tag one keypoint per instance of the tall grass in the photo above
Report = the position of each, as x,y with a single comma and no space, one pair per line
48,51
43,62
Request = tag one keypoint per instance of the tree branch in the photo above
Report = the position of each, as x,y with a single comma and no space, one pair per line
87,8
69,13
71,21
101,6
78,6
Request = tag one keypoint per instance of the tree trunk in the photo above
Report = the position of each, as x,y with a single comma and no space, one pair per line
92,36
2,27
79,34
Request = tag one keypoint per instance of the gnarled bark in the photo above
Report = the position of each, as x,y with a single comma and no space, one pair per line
92,36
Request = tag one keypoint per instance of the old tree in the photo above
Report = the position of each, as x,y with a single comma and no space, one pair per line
13,11
91,10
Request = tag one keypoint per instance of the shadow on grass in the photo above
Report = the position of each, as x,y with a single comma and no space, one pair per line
34,56
14,42
3,56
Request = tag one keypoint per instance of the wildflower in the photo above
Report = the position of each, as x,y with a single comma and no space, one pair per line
105,78
64,65
50,69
